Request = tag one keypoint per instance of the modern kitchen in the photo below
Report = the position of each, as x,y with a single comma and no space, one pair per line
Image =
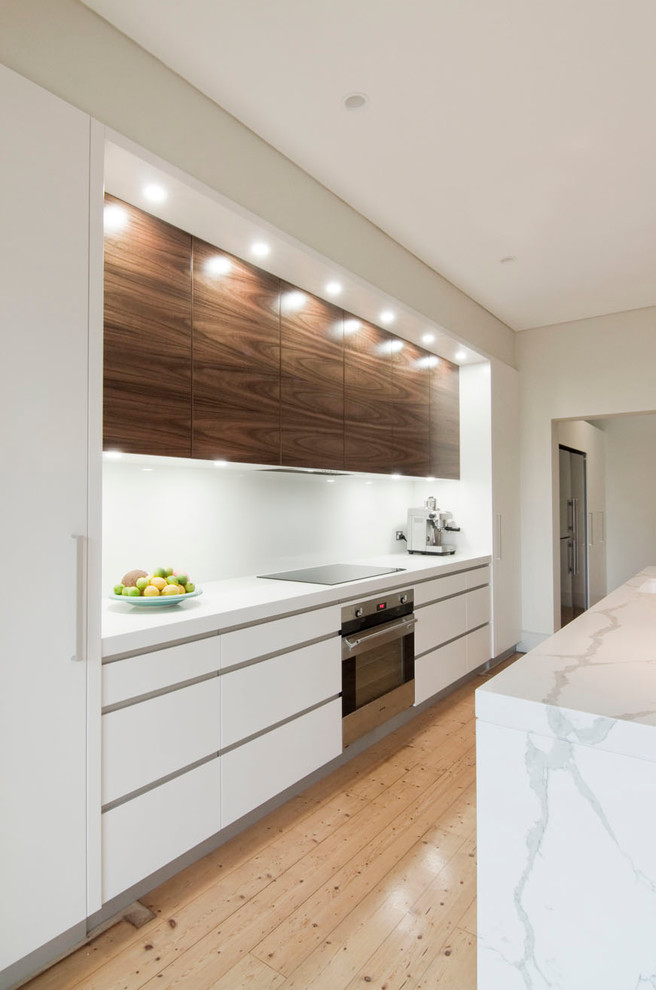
367,494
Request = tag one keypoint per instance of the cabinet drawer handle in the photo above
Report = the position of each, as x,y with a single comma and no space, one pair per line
80,652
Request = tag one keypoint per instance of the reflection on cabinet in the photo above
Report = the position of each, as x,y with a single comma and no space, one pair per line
236,359
444,420
147,348
312,381
368,409
410,381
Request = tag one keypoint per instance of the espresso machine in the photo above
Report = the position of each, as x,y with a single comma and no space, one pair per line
426,526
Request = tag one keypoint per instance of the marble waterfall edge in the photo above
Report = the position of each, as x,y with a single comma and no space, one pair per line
566,766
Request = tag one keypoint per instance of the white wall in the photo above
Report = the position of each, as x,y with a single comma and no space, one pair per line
579,370
630,495
589,439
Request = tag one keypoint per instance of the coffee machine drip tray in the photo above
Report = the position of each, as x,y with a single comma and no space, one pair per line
441,551
332,573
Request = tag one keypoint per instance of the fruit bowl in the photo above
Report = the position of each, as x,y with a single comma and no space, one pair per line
157,601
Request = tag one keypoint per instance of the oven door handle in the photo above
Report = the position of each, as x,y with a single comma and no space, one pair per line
396,630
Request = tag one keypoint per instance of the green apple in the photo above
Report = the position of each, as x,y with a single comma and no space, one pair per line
182,579
160,572
171,580
118,589
189,587
168,572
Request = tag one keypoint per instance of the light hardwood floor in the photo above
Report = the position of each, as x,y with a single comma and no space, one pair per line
366,879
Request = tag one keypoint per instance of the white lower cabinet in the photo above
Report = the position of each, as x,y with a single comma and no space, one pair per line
478,607
439,622
479,647
257,696
436,670
151,739
265,766
144,834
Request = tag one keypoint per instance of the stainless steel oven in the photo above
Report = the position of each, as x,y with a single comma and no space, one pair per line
378,662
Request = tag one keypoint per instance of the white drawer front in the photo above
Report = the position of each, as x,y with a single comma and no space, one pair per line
432,591
278,635
145,834
262,768
153,738
478,607
261,694
480,575
438,669
478,647
439,622
123,679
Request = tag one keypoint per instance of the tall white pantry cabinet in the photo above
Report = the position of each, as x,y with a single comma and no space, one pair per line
50,415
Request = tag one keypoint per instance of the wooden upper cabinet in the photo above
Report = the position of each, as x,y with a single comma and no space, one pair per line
236,359
368,409
147,341
312,381
411,367
445,420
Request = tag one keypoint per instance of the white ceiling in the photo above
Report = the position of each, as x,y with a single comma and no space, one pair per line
494,128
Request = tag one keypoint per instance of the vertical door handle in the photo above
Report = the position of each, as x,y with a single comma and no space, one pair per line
80,652
497,536
570,515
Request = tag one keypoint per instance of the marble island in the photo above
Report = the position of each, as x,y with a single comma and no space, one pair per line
566,762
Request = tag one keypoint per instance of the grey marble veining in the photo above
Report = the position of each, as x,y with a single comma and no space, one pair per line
566,765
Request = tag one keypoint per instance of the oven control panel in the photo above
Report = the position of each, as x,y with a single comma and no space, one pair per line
375,610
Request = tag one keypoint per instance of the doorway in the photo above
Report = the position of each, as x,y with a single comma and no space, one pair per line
573,534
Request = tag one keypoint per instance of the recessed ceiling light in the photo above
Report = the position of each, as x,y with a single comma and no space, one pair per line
396,476
508,259
461,355
114,217
155,193
395,346
430,361
368,482
351,325
147,469
430,478
260,249
333,288
218,265
428,338
355,101
330,481
220,463
113,455
387,316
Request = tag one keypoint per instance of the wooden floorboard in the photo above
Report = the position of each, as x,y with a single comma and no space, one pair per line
368,878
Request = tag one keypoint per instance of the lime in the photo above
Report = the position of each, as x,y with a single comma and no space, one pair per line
189,587
172,580
182,578
160,572
132,592
118,589
142,583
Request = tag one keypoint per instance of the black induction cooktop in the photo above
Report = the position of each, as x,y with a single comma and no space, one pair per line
332,573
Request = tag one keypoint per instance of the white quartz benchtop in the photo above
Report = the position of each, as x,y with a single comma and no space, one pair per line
593,682
239,601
